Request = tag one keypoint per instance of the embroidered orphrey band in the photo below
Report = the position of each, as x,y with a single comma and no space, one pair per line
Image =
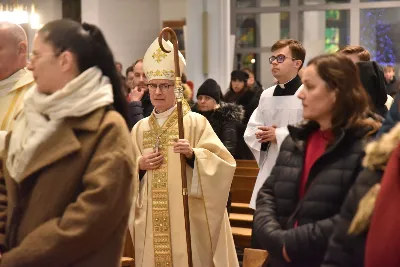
164,136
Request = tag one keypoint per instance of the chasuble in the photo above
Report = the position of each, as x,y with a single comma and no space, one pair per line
157,222
12,91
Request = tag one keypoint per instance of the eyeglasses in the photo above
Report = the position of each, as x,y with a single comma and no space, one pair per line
279,58
163,86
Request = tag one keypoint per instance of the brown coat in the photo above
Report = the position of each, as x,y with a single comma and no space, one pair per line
72,206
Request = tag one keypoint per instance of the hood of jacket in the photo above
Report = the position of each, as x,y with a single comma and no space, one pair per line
226,111
379,151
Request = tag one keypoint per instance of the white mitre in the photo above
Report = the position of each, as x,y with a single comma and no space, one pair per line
160,65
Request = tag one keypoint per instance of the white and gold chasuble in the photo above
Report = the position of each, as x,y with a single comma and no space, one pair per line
12,91
157,221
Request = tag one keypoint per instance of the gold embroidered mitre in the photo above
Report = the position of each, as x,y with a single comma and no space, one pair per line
160,65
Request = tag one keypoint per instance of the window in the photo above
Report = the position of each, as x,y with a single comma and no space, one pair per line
324,31
380,34
321,2
258,3
323,26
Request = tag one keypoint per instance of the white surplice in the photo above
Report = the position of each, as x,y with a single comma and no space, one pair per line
272,110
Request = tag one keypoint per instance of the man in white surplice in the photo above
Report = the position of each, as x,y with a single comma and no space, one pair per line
278,107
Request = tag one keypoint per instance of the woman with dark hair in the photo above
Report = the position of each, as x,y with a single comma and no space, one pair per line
240,94
318,162
65,178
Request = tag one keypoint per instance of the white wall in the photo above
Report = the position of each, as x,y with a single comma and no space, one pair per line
130,26
172,10
48,10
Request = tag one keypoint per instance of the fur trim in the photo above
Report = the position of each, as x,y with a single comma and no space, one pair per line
378,152
363,216
226,111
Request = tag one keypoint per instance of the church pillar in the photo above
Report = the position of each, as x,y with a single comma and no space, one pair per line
214,61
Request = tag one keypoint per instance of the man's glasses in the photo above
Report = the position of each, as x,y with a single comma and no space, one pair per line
163,87
279,58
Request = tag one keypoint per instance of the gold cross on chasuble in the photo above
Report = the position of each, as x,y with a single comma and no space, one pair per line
160,138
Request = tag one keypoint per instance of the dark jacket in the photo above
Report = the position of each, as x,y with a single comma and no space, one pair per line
140,109
72,205
346,250
393,87
278,206
392,117
223,121
249,101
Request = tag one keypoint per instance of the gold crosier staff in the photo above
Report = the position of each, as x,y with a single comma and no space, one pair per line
179,99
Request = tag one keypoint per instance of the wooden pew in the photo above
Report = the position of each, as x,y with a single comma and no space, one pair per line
255,258
241,216
129,252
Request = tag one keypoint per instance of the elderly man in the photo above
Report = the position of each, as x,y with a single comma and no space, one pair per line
157,217
15,80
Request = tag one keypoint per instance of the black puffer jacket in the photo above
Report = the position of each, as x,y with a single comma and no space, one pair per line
223,121
140,109
249,101
278,206
346,250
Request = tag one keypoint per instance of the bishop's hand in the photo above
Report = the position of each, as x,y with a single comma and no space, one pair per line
151,161
183,146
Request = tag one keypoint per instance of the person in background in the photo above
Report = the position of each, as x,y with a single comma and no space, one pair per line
392,117
67,168
223,117
140,105
392,84
240,94
187,92
373,81
129,79
253,84
118,66
355,53
15,79
265,138
359,55
297,206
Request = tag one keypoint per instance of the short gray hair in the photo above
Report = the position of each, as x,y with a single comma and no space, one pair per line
15,30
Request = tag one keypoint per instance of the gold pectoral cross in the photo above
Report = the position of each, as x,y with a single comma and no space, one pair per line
157,144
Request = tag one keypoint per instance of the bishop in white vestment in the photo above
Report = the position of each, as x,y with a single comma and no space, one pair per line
157,222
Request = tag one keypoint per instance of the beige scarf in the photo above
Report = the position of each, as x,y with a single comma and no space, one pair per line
42,114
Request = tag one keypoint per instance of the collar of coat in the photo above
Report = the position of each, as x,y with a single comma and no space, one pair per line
302,131
63,142
226,111
379,151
